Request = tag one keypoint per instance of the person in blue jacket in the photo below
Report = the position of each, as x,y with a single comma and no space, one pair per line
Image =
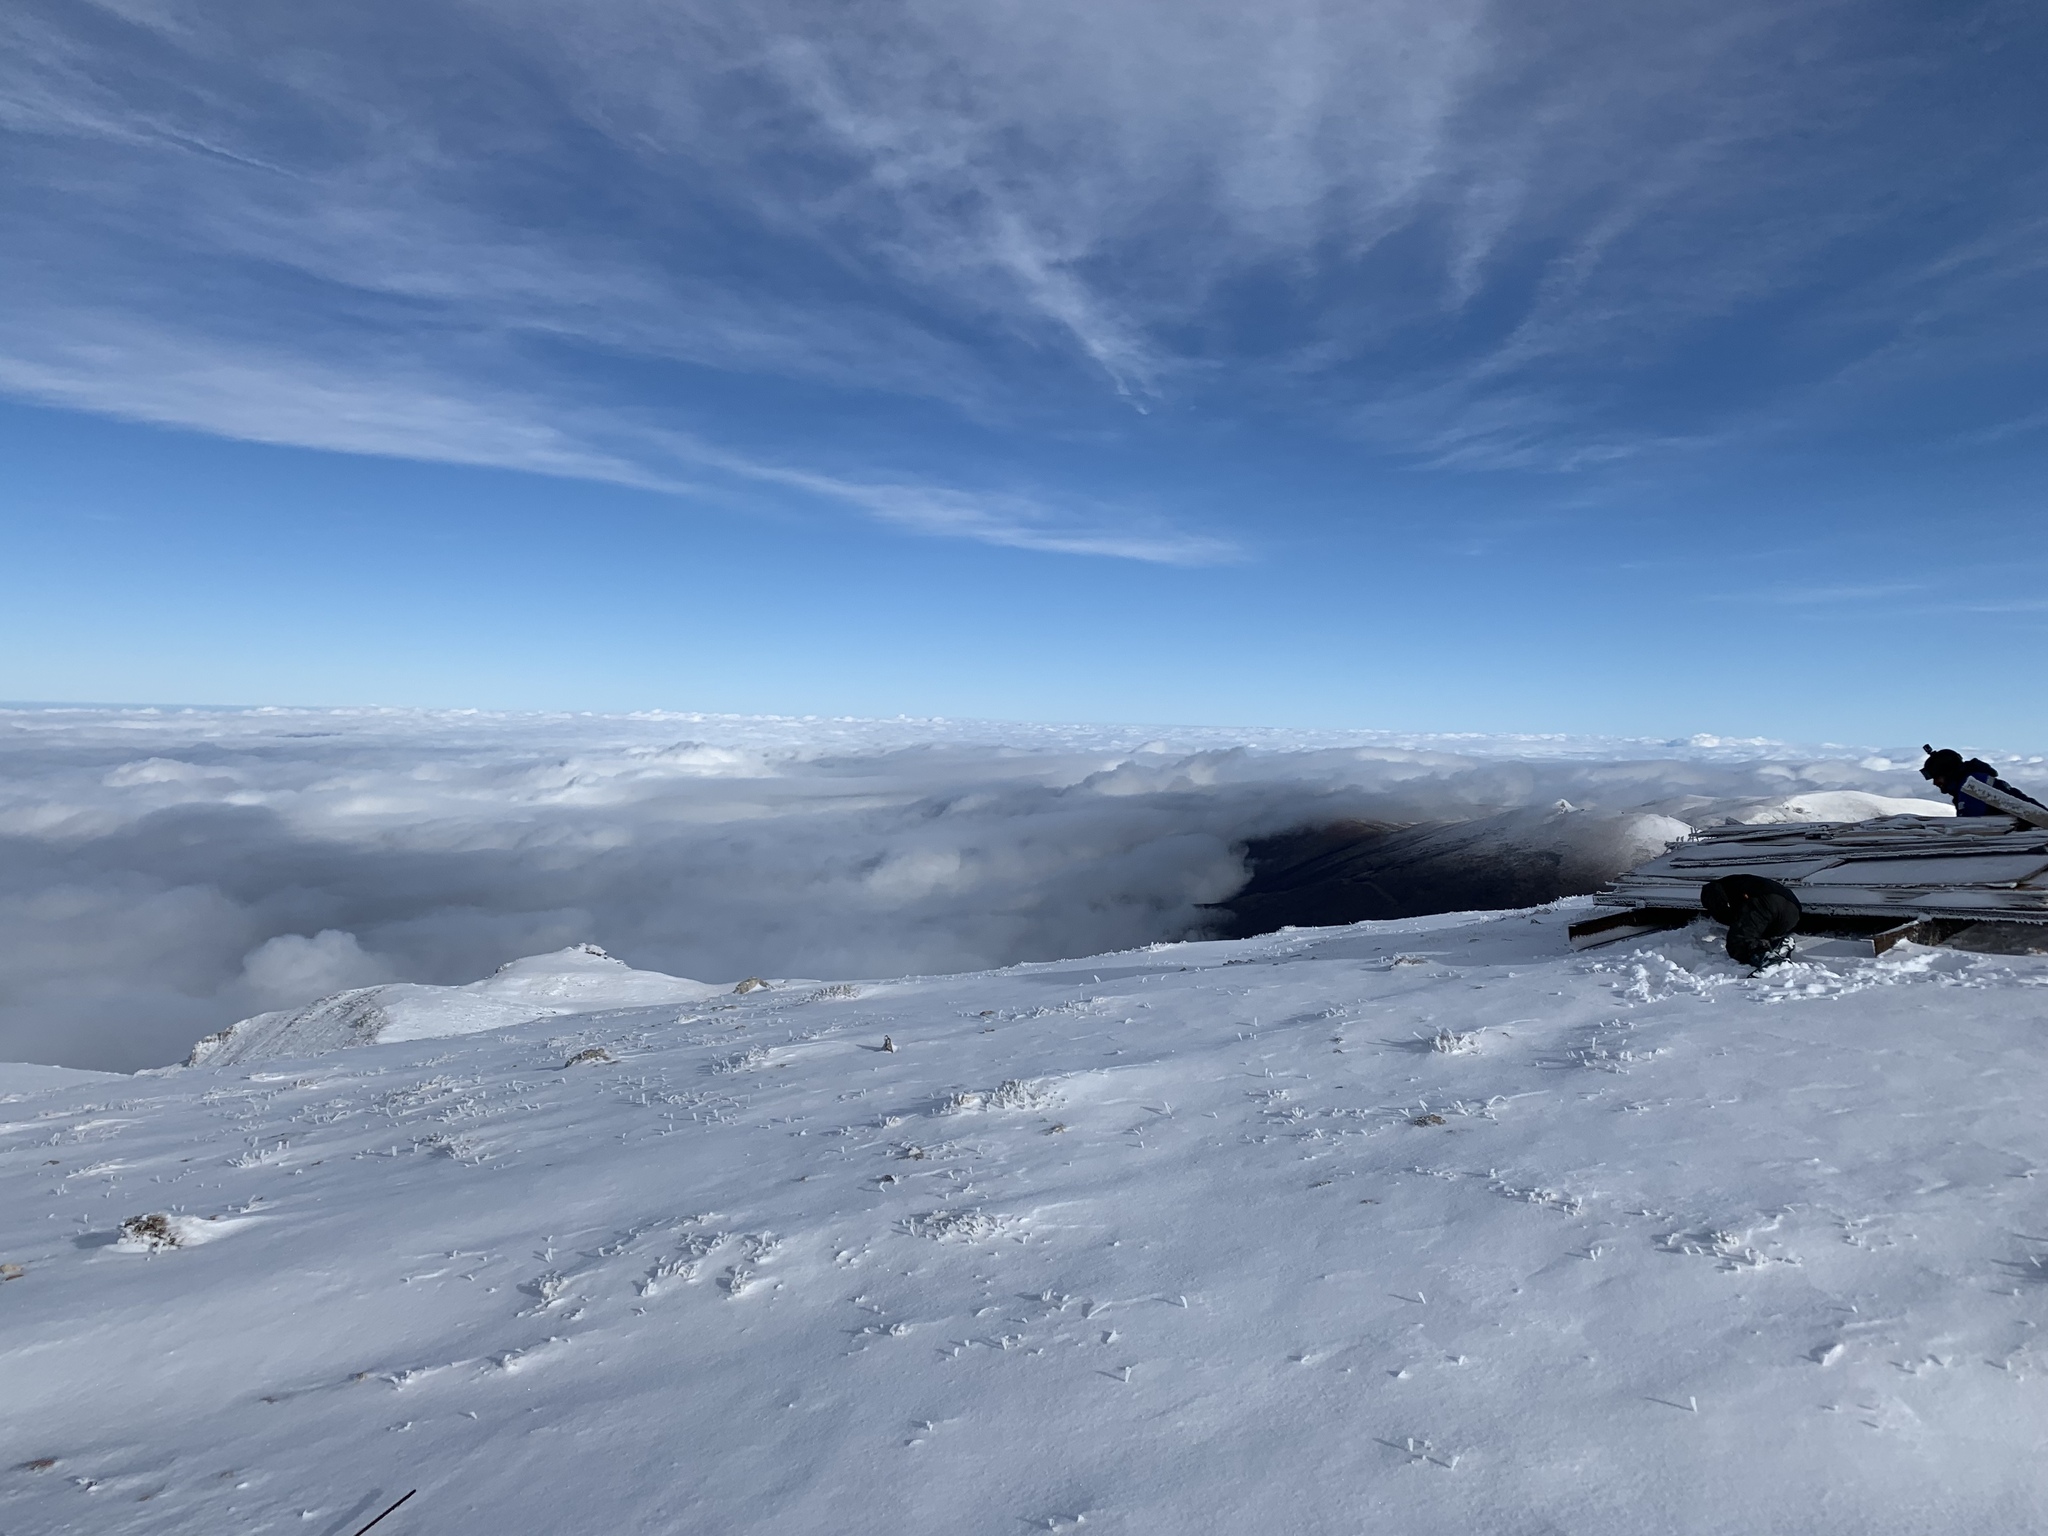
1950,772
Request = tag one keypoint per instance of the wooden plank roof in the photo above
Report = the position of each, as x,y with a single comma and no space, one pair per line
1981,867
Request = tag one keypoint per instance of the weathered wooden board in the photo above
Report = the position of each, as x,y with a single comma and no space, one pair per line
1899,867
1630,923
1935,869
1880,931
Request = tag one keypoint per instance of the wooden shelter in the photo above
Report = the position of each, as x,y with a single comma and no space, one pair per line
1924,878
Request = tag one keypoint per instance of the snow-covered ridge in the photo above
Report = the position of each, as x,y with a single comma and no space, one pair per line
1840,805
579,979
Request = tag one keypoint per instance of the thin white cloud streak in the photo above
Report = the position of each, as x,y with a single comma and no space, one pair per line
163,872
302,402
172,381
1013,521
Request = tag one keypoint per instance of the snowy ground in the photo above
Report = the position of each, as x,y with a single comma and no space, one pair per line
1430,1227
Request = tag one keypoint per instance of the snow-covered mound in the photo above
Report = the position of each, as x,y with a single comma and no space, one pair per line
18,1079
1428,1226
1840,805
579,979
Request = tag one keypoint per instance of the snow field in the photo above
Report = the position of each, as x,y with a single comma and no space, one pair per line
1430,1225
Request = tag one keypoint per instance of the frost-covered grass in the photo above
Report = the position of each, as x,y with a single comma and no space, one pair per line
1206,1237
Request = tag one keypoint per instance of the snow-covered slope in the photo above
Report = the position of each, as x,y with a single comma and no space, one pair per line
18,1078
1429,1226
579,979
1839,805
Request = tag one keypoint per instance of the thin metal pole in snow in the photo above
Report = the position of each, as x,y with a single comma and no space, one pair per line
386,1512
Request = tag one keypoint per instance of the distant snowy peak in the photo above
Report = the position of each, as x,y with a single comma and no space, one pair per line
579,979
1839,805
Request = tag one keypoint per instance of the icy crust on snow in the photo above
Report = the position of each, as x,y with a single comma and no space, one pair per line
1426,1226
579,979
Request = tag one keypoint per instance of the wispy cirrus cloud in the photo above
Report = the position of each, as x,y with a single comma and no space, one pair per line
1012,520
1472,235
385,407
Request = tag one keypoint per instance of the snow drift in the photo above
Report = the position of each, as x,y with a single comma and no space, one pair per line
579,979
1428,1226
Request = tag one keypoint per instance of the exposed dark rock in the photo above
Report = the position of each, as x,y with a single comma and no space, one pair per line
1352,871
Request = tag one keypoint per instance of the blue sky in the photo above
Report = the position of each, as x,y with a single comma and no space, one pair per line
1442,365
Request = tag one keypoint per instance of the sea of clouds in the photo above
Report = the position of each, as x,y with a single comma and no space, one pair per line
166,872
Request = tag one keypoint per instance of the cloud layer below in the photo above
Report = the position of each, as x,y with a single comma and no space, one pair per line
163,873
